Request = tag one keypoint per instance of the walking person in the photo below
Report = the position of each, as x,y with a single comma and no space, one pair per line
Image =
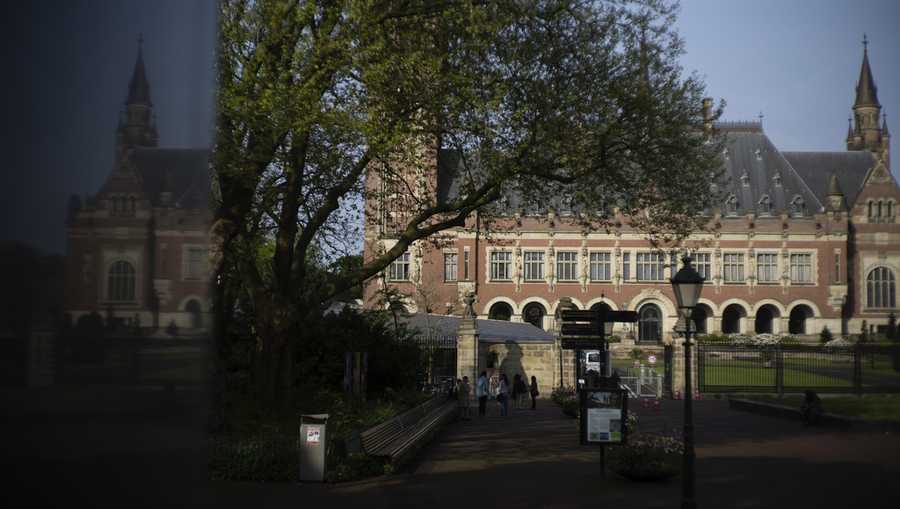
481,392
521,391
534,392
462,392
503,396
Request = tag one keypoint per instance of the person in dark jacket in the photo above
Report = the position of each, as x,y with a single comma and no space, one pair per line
534,392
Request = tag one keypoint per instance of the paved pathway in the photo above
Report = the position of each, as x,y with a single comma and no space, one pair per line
529,459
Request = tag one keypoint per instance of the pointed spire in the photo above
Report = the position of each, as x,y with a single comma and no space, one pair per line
849,128
138,88
866,91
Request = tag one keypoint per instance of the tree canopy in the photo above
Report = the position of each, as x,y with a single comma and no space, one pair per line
574,98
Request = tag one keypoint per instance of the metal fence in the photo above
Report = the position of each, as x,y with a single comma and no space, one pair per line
439,356
796,368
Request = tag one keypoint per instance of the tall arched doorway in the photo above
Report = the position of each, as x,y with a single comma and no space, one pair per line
608,328
700,316
500,311
534,314
765,319
649,324
797,321
732,317
194,309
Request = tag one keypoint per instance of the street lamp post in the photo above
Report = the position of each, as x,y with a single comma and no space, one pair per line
687,284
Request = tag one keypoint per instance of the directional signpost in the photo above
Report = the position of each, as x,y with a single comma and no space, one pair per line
604,406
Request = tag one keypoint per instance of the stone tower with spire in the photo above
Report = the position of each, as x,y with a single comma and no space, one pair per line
137,123
868,127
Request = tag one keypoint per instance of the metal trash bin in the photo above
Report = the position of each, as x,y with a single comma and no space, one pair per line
312,447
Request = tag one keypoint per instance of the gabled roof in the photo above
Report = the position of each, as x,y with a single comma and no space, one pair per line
182,172
816,168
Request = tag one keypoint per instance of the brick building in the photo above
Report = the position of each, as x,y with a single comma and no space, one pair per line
137,250
802,240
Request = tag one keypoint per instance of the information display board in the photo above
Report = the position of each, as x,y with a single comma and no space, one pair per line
603,415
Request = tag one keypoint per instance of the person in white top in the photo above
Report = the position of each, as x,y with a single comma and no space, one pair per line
503,395
481,392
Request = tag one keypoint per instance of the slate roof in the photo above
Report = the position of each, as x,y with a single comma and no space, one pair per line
490,331
183,172
754,168
816,168
866,91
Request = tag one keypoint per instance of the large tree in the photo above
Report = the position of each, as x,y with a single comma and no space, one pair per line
581,98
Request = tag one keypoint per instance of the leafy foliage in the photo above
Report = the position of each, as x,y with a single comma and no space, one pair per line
647,457
321,102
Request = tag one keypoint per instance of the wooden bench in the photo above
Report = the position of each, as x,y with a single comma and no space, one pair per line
399,437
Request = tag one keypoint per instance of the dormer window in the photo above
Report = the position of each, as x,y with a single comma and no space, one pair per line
765,206
731,205
798,206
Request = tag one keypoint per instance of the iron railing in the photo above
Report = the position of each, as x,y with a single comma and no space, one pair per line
795,368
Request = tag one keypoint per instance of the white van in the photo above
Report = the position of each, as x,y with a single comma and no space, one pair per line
592,360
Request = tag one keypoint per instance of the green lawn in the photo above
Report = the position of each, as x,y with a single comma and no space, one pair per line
873,406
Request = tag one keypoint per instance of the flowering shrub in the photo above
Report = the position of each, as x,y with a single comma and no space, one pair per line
839,342
567,399
647,457
760,339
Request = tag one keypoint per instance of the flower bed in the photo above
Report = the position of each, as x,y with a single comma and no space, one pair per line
647,457
567,399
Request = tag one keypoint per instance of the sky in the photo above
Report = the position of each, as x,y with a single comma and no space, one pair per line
71,63
796,61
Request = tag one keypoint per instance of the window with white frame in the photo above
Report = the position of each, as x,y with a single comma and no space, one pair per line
451,266
600,267
650,266
533,265
566,266
767,267
733,267
702,264
399,269
626,266
196,264
801,268
501,262
881,289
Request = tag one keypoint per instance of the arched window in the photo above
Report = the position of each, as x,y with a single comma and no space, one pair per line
731,205
798,318
765,206
880,211
732,316
881,288
534,314
500,311
798,206
871,210
649,323
120,283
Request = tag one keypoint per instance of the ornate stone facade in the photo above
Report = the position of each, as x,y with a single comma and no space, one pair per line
802,241
137,251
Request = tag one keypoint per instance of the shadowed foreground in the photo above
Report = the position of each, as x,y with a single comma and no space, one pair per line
112,446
